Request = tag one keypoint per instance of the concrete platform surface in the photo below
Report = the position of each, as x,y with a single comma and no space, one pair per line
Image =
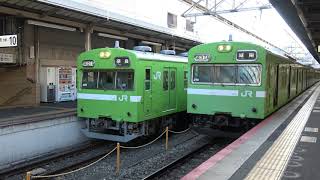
264,151
20,115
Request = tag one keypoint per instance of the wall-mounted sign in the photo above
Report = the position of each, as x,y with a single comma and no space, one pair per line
8,41
88,63
246,55
6,58
122,61
202,58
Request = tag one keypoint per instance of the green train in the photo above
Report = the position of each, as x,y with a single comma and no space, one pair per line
236,83
124,94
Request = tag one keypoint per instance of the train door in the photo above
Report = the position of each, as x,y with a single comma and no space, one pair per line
172,89
290,81
276,89
147,95
165,87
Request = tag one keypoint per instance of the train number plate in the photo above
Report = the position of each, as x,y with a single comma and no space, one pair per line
202,58
88,63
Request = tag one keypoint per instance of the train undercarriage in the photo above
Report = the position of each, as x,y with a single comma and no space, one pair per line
222,121
120,131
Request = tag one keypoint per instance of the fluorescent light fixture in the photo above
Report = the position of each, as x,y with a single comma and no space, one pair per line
318,48
112,36
49,25
180,48
151,43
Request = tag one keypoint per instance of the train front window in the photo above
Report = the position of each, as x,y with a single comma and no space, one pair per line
249,74
224,74
89,80
229,74
202,73
124,80
108,80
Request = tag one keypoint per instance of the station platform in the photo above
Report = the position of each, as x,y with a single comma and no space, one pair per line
27,133
283,146
21,115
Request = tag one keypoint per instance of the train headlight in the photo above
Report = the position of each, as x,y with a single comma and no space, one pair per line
228,48
220,48
104,54
224,48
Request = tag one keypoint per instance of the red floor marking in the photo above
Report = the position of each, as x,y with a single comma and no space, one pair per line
198,171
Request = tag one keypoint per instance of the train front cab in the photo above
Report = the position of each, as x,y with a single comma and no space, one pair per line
108,94
227,84
130,98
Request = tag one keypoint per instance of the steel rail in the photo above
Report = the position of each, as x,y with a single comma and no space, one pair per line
24,167
173,164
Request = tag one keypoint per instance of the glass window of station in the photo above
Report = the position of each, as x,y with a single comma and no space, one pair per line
244,74
108,80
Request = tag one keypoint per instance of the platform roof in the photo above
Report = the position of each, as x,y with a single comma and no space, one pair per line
303,16
78,12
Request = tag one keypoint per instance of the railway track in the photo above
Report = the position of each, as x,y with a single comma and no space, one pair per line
20,169
132,160
166,171
158,173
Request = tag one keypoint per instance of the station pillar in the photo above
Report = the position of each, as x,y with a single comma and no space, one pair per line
88,32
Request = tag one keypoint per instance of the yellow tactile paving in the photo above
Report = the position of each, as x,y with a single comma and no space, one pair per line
273,163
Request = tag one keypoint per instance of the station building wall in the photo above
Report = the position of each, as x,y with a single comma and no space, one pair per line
59,47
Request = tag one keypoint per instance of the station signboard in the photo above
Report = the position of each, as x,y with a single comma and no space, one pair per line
8,40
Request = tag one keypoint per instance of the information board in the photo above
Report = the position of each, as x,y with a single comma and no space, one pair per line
6,58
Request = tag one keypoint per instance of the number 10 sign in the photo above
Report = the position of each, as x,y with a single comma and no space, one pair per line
8,40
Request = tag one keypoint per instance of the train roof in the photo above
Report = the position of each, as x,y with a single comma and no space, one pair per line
159,57
273,51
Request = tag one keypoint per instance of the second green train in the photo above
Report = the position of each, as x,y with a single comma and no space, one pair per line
236,83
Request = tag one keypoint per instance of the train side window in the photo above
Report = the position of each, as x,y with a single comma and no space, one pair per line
165,80
172,80
147,81
185,77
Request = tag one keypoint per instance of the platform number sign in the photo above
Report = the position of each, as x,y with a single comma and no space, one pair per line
8,41
122,61
246,55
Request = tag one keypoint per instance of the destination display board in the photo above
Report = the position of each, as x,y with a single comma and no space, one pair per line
246,55
122,61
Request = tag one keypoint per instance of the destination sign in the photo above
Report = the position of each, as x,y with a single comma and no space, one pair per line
122,61
246,55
